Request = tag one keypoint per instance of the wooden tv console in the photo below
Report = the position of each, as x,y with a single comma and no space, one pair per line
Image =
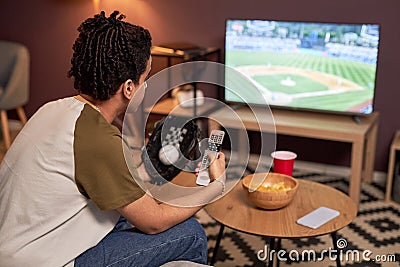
361,133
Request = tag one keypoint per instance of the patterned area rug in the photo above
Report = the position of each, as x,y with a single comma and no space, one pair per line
375,232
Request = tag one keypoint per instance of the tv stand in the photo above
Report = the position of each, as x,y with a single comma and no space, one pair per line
341,128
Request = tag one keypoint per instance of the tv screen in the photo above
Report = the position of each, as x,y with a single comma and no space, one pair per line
327,67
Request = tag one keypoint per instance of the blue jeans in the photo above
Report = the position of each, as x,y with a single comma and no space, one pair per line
127,246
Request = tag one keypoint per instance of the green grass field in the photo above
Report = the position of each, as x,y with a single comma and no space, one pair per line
302,83
357,72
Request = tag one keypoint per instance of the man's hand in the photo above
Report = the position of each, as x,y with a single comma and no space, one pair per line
217,167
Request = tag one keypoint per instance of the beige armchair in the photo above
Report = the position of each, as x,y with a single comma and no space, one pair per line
14,83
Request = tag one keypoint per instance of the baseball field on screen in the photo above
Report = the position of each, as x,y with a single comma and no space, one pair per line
302,80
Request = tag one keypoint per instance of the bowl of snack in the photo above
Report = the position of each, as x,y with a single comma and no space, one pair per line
270,191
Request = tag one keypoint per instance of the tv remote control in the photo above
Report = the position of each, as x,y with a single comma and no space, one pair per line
213,146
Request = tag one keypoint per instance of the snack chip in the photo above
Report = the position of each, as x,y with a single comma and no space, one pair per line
276,187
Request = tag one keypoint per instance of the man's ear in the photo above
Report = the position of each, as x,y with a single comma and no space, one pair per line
128,89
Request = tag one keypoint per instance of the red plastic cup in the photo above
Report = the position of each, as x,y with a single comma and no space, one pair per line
283,162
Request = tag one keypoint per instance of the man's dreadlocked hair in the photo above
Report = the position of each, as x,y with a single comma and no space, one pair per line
107,52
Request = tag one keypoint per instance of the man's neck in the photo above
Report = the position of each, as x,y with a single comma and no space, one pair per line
108,108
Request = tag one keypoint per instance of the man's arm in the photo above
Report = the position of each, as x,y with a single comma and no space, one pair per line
152,217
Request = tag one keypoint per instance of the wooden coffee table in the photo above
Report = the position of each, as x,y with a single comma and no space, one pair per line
236,212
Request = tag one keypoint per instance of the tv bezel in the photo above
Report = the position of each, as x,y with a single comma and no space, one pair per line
303,109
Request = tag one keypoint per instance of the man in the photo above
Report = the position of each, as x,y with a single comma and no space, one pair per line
64,182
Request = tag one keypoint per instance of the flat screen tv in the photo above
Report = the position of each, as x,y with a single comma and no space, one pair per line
316,66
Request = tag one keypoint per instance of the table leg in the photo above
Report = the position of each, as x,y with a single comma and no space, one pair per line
370,148
216,247
357,151
278,248
271,247
389,180
334,241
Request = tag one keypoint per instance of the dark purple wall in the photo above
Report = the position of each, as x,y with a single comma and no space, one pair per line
48,28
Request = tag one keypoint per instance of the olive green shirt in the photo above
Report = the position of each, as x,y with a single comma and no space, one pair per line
101,172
